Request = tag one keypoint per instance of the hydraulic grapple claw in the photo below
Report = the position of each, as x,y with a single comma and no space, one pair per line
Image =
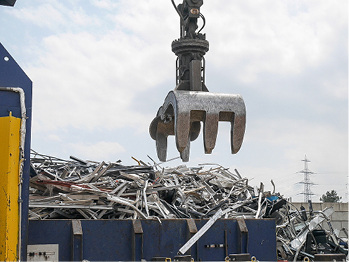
182,112
190,103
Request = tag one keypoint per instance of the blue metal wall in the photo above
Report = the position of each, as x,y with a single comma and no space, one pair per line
115,240
11,75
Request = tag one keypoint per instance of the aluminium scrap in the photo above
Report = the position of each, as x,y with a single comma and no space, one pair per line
302,235
77,188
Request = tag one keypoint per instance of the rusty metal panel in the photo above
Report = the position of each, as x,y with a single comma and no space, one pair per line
192,226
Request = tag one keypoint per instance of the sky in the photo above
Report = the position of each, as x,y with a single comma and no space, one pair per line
102,68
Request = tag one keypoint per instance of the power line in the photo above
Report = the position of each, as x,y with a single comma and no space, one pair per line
306,181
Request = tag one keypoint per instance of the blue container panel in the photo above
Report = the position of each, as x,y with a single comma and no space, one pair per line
54,232
106,240
262,239
216,237
111,240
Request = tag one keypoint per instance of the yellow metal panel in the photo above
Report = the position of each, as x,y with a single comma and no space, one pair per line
9,180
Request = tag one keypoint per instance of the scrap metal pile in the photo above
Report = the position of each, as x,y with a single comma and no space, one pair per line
303,233
79,189
97,190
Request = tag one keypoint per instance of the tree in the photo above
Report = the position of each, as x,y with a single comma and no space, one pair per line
330,196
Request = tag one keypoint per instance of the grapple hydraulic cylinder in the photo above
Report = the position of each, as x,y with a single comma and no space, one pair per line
190,103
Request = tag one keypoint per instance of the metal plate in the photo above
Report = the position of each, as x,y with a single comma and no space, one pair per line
43,253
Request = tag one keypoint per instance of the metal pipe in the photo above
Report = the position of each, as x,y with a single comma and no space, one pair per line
179,13
261,189
204,22
21,93
200,233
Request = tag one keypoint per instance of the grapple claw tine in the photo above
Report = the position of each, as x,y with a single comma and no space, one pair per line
182,130
161,146
185,153
159,130
210,131
237,132
194,130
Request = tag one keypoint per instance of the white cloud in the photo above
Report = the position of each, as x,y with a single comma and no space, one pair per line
337,87
105,4
54,137
261,36
297,137
102,151
34,14
54,15
85,81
